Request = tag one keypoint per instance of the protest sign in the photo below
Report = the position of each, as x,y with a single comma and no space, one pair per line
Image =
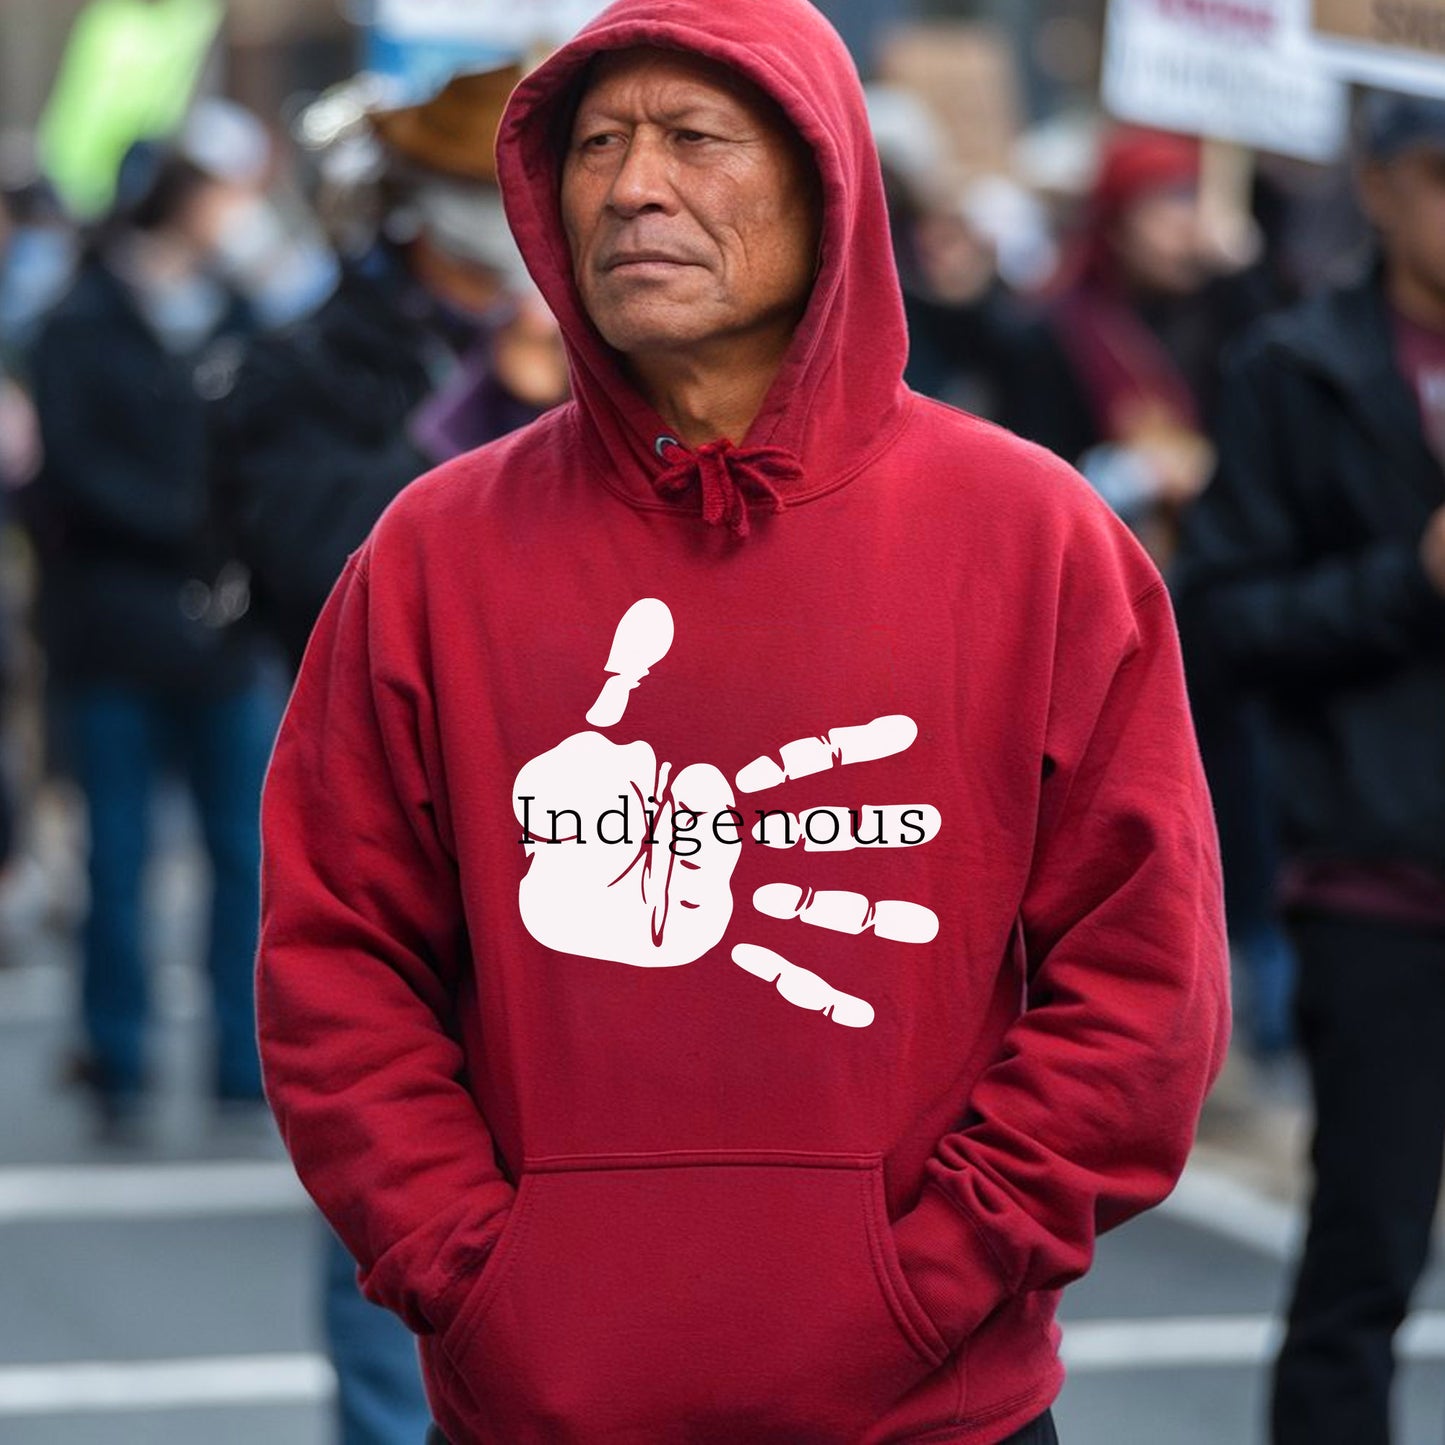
1230,70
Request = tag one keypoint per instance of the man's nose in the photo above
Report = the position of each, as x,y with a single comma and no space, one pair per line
643,180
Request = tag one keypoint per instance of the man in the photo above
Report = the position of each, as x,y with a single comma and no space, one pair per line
1316,564
650,1132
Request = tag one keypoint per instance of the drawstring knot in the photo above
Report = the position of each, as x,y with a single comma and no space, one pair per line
726,475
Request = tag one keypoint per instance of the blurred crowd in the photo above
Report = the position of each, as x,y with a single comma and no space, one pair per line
216,374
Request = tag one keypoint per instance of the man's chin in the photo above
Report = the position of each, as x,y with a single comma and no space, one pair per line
651,330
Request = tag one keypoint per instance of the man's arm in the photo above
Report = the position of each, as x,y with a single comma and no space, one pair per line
1251,583
1088,1113
363,941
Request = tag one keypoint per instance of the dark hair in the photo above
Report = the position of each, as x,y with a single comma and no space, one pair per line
154,186
174,184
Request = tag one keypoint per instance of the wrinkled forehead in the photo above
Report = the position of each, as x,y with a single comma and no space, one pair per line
676,78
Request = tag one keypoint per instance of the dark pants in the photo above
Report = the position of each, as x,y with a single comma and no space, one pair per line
1371,1016
1039,1432
122,737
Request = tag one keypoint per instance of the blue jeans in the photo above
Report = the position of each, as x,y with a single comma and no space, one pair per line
380,1399
120,738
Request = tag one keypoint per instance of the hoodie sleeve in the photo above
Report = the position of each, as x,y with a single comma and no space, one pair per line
1087,1114
363,941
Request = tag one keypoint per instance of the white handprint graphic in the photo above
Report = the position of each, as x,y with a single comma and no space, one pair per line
651,883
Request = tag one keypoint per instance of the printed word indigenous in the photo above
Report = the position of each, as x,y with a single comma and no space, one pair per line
818,828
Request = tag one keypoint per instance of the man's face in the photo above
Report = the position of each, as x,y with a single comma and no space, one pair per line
1405,198
690,207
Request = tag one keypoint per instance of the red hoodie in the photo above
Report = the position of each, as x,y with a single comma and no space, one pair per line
659,1133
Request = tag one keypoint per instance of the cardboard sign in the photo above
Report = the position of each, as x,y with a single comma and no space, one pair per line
1397,44
965,73
1232,70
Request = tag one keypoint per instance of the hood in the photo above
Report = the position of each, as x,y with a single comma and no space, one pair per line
838,398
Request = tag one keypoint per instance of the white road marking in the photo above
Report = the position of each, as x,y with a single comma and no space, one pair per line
1099,1346
91,1387
71,1193
1212,1200
1090,1347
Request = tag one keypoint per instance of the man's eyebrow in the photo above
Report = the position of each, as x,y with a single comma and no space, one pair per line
697,112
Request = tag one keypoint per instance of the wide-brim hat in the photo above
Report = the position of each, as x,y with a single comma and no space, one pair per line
455,132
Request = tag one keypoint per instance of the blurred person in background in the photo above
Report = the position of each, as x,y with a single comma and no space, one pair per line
965,329
270,249
1316,559
142,612
1119,376
1119,360
433,343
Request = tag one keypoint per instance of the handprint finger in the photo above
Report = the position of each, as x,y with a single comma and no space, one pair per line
880,738
892,918
643,638
840,830
803,988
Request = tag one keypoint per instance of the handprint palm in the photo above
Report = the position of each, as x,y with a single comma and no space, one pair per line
663,906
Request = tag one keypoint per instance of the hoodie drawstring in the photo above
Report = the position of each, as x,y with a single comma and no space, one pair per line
725,475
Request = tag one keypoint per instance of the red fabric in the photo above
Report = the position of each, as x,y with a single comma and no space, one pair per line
699,1167
1130,379
725,475
1420,353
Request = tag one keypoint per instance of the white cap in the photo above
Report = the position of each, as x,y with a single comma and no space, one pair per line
226,141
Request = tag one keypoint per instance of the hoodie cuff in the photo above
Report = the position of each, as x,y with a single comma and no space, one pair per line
953,1273
429,1293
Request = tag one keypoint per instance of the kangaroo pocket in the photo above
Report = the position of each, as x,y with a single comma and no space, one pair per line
692,1297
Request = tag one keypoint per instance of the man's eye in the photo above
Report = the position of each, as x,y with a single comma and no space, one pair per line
596,142
691,137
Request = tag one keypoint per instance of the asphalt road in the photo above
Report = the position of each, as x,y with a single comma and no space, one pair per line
173,1296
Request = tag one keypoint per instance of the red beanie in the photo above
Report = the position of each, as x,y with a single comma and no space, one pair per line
1136,162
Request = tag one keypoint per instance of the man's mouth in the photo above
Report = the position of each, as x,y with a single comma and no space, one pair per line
630,259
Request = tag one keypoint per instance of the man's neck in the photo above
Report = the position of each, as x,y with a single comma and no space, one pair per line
1415,300
705,398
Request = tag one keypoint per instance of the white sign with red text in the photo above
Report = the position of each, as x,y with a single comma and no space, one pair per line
1231,70
505,24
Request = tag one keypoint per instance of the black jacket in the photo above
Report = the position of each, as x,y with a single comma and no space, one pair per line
310,443
1300,568
120,511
